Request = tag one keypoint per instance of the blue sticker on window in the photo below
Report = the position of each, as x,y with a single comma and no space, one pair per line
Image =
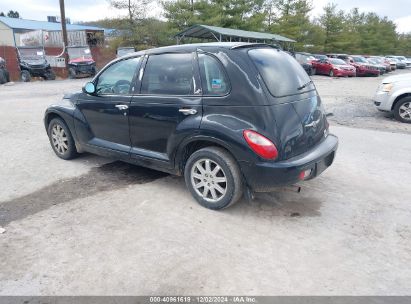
216,83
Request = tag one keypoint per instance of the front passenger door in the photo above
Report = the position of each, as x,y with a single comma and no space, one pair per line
168,106
106,111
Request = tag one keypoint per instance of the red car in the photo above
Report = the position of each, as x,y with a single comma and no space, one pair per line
363,67
335,68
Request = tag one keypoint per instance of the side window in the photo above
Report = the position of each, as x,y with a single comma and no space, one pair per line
117,78
213,77
168,74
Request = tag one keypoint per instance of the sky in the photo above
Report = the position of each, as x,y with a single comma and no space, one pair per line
90,10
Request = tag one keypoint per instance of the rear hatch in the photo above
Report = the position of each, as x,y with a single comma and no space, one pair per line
299,121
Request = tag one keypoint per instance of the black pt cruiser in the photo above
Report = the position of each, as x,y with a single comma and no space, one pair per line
230,117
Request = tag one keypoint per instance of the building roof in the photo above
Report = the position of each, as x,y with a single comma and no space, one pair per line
23,24
213,32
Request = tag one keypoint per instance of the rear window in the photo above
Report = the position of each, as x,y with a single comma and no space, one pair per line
281,73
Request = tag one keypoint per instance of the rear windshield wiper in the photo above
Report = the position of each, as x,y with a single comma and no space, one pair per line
304,85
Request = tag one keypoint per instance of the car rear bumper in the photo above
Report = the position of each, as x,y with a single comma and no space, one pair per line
266,176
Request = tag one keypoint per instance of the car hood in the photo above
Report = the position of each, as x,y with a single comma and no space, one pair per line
396,78
81,60
344,66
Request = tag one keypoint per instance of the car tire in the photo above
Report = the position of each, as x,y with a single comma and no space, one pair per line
3,77
25,76
402,110
50,75
72,73
61,139
331,73
223,186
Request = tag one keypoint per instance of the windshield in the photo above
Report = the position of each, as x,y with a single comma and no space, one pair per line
122,52
75,53
320,56
360,59
281,73
377,59
31,54
337,61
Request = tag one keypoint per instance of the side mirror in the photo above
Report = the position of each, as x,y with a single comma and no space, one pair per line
89,88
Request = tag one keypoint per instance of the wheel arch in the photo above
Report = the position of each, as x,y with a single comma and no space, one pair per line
398,98
66,115
193,144
50,116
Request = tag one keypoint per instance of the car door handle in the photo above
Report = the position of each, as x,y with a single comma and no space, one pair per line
122,107
187,111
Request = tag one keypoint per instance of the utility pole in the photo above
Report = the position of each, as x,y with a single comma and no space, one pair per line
64,30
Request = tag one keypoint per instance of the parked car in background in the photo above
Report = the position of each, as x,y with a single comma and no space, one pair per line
33,63
394,95
4,74
81,62
363,67
392,62
319,56
379,66
335,67
382,61
340,56
398,62
405,60
125,50
230,117
307,61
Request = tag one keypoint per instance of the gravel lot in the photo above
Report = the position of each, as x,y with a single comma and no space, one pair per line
349,100
94,226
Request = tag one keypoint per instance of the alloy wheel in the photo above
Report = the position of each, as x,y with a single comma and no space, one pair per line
60,139
209,180
405,111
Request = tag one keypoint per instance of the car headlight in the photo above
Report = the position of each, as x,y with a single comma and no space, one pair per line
387,87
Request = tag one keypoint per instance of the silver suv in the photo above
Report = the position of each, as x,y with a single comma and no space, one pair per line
394,95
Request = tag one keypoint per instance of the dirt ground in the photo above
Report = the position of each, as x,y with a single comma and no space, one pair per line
94,226
349,101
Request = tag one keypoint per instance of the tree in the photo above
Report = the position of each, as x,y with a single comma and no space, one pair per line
293,20
13,14
239,14
332,22
136,9
137,12
2,14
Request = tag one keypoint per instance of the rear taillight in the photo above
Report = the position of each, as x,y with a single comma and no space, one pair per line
260,144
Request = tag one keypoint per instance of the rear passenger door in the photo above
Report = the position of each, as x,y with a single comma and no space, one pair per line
167,107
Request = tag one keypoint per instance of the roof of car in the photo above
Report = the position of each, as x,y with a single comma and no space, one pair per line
195,46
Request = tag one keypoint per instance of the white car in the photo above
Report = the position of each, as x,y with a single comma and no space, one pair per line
405,60
394,95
